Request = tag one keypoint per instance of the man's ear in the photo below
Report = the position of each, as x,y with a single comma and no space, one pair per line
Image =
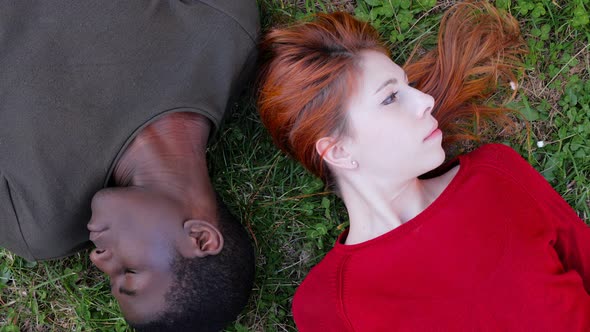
204,239
334,152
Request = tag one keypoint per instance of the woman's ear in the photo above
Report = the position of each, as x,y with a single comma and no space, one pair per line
204,239
335,153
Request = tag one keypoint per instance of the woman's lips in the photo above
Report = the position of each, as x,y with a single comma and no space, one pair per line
434,132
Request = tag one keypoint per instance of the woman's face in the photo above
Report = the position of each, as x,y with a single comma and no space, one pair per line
392,132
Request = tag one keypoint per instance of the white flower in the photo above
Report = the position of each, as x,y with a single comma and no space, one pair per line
513,85
540,144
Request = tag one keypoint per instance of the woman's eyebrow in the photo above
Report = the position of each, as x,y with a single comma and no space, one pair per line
386,83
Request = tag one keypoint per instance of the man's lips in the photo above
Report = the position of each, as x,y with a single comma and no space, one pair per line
93,227
96,238
94,235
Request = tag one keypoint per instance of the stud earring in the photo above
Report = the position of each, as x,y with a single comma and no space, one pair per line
354,163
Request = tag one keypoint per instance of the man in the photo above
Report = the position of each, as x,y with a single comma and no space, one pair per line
105,112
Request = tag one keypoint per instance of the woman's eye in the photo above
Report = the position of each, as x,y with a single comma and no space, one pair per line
130,271
390,99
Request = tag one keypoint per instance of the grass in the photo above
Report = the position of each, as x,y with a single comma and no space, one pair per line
292,220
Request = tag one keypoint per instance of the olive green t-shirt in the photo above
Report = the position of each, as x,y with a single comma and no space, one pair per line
79,80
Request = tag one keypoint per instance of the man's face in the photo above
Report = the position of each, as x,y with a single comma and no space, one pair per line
134,231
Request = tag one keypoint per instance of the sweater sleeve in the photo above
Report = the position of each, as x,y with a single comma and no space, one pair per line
313,312
317,304
573,235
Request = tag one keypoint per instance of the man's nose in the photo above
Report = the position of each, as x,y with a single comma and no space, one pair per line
103,259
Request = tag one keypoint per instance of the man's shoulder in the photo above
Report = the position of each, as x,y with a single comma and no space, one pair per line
244,12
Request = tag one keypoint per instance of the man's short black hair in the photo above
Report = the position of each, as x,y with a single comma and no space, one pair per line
208,293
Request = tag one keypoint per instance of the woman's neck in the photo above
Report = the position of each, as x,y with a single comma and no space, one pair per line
375,209
169,156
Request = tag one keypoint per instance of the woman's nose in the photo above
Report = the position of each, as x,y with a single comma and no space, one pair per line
424,102
428,103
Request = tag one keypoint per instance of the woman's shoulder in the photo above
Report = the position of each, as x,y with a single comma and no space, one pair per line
503,162
498,156
324,273
493,152
317,299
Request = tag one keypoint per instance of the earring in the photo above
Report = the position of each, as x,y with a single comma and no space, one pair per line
354,163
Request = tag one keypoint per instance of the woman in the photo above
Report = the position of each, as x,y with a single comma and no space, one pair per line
480,244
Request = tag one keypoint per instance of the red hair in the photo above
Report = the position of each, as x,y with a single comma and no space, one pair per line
477,46
308,72
306,79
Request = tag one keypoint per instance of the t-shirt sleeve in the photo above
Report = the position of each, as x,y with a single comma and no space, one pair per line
573,235
10,230
313,314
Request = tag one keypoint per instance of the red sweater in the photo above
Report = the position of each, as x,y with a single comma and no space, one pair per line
499,250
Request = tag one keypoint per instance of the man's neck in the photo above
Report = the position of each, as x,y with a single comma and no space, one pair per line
169,156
